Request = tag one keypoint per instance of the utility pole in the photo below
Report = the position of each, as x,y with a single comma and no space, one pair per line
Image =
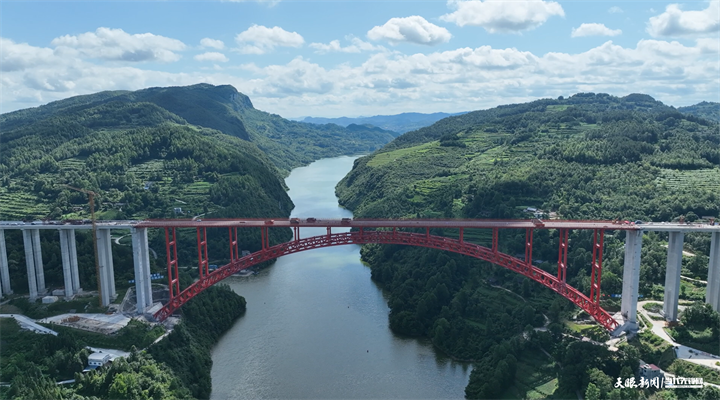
91,202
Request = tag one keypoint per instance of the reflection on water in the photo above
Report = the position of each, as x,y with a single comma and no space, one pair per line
316,325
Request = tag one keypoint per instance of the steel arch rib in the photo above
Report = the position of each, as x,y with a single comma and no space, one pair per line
389,237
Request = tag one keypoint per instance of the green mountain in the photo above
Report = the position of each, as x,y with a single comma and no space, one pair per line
399,123
590,156
199,148
587,156
705,109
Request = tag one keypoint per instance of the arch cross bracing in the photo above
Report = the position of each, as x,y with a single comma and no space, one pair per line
524,267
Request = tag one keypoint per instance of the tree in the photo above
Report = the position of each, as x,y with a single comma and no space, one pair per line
592,392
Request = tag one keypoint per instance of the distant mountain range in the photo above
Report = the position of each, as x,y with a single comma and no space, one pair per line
399,123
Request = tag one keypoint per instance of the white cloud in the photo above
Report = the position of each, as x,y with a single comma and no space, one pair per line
388,82
211,56
213,43
259,39
675,22
708,45
615,10
413,29
594,30
357,46
19,56
117,45
503,16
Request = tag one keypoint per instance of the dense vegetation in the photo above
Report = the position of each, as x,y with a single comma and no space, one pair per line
176,367
705,109
586,157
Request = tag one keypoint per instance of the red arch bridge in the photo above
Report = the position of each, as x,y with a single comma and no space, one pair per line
388,232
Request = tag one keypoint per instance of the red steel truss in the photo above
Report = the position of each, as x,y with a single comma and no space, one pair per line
172,264
524,267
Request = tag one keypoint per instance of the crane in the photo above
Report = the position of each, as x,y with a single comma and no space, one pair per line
91,202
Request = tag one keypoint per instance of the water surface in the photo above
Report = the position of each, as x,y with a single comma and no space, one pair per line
316,326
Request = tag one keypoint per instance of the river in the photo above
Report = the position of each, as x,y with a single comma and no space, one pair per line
316,326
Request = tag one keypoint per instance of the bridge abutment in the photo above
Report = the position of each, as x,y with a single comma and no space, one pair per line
4,267
712,294
672,275
141,261
631,278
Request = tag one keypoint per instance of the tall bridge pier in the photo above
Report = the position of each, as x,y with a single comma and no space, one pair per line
141,261
68,251
631,278
712,294
633,247
4,267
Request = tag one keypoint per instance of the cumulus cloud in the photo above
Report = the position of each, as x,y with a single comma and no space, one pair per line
19,56
388,82
259,39
413,29
118,45
503,16
615,10
356,46
594,30
212,43
211,56
675,22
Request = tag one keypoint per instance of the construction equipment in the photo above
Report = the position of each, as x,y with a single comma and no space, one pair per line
91,202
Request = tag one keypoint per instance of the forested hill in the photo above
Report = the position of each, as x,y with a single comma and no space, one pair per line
586,156
399,123
288,144
198,148
705,109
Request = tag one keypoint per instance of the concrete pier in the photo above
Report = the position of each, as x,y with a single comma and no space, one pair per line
631,278
73,261
4,266
107,278
67,274
672,275
712,294
30,263
141,260
39,273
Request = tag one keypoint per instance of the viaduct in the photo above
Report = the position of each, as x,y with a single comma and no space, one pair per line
366,231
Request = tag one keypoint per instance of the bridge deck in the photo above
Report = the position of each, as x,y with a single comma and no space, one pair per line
381,223
370,223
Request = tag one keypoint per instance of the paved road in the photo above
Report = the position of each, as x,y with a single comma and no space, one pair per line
29,324
683,352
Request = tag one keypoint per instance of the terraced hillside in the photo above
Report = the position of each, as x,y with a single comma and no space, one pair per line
159,152
588,156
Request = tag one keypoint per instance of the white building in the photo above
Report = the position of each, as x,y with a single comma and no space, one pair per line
96,360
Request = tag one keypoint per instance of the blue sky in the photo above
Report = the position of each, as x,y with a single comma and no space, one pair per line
350,58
